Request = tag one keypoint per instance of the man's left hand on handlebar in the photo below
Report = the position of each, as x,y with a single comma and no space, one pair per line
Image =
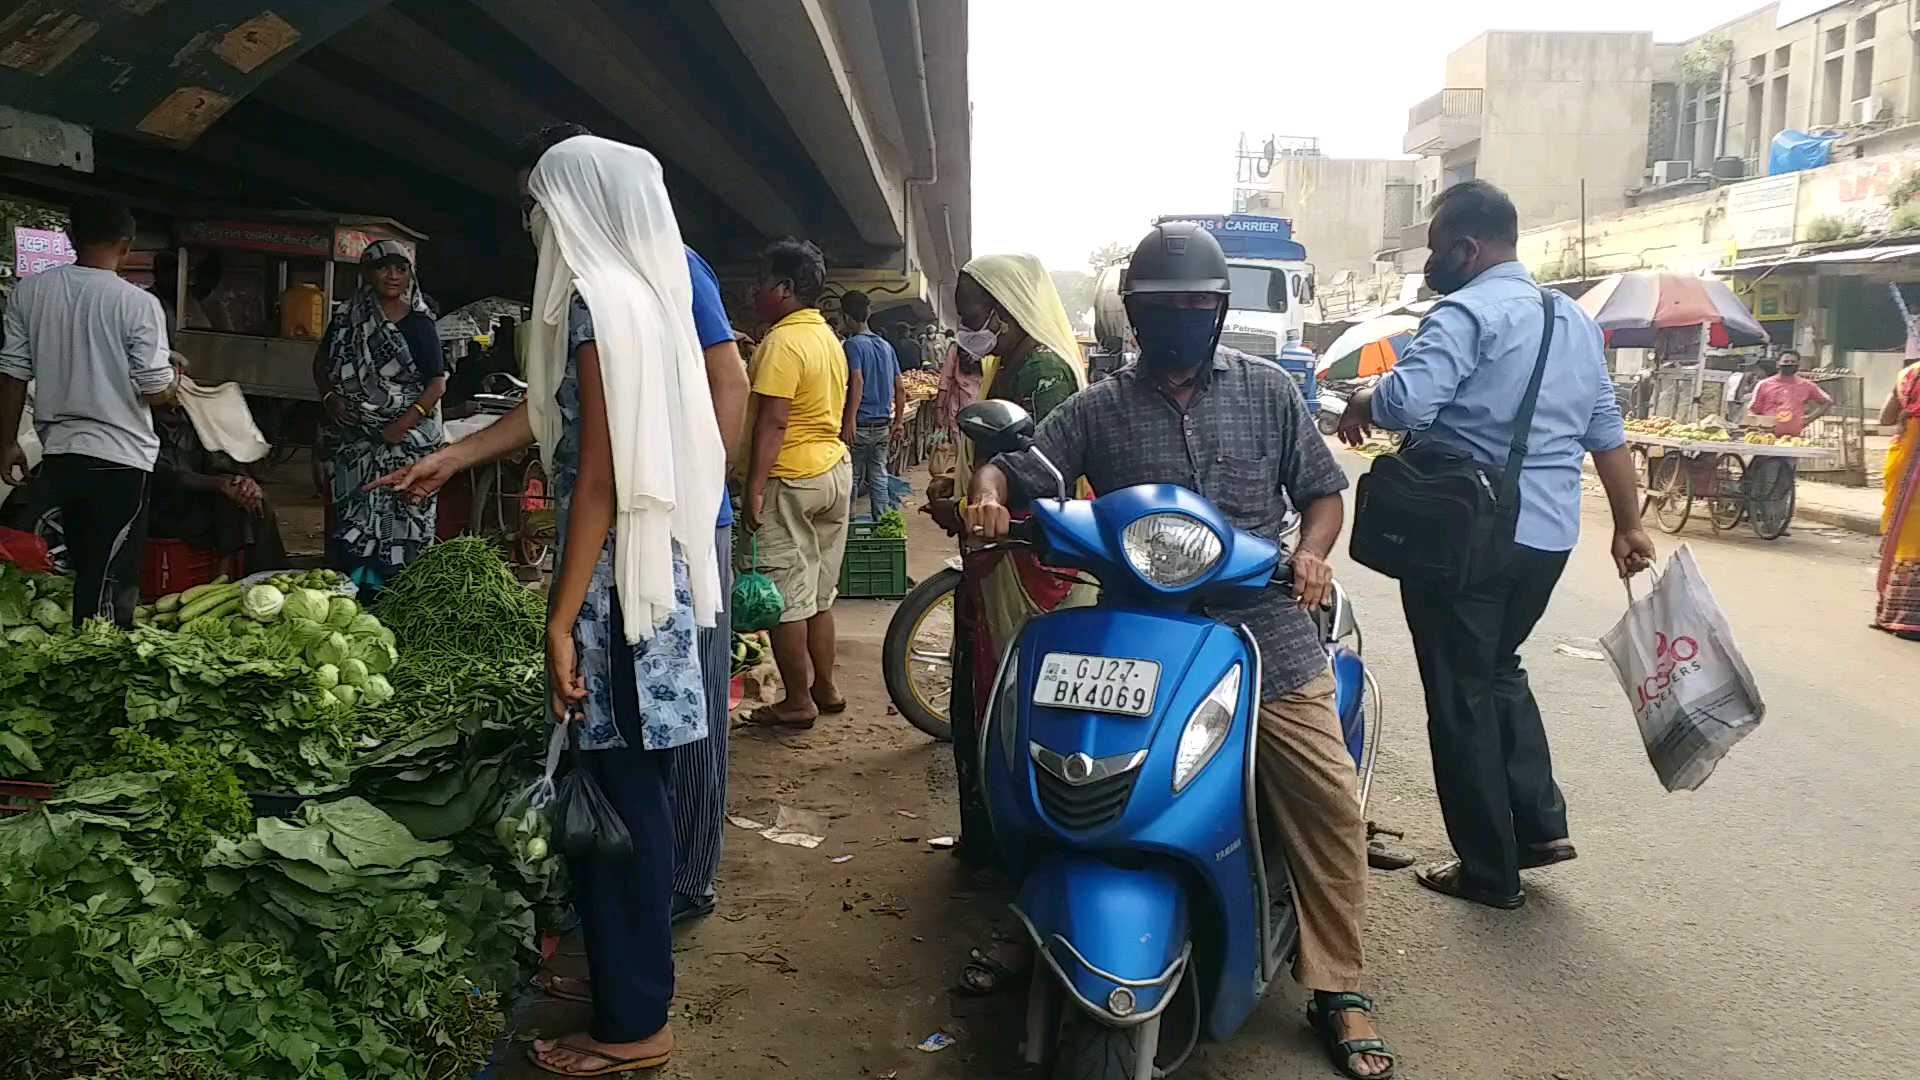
986,519
1312,579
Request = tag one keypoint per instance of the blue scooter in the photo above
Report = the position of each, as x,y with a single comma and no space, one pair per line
1117,759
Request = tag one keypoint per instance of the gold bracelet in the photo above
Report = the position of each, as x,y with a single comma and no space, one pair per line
421,411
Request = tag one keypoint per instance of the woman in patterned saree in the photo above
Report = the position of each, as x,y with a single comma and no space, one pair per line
380,374
1899,584
1011,314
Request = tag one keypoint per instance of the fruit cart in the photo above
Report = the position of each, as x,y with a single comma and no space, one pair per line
1740,481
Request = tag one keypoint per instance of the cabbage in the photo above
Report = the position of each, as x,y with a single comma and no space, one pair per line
262,603
340,612
345,695
306,604
327,676
363,625
376,654
26,635
331,649
50,615
378,690
353,672
306,632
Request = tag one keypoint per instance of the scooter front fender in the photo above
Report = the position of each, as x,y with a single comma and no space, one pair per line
1102,928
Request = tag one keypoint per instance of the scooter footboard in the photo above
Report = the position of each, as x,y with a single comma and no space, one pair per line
1116,937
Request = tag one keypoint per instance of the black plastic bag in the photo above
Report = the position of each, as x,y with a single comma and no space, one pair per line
585,824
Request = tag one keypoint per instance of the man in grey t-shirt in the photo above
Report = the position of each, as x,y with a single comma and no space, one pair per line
96,348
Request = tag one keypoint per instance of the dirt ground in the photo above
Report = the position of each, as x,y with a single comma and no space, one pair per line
817,968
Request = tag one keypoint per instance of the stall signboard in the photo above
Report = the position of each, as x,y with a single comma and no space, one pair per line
283,237
35,250
1763,213
350,241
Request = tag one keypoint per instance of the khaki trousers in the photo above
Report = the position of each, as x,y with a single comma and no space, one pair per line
1306,783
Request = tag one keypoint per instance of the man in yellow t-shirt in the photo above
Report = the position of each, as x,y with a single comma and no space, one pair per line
799,476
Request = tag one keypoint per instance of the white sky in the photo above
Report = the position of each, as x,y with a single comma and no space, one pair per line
1093,116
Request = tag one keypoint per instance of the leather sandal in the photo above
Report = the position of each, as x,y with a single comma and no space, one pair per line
1341,1052
1447,879
1535,856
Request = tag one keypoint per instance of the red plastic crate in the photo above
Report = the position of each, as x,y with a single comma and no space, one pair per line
18,796
170,566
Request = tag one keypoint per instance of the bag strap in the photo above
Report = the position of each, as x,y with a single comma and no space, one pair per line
1523,423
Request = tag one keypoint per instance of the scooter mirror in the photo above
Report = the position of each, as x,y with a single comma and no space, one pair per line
997,427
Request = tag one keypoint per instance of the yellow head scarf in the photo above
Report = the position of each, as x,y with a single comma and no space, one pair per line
1019,283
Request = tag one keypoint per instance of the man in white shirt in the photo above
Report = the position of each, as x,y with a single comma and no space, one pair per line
96,348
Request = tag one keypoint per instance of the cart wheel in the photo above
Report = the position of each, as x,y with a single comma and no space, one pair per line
535,539
1771,497
1728,504
1642,475
1671,492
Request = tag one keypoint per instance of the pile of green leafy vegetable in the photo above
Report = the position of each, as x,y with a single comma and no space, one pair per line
890,526
253,701
33,607
116,965
461,597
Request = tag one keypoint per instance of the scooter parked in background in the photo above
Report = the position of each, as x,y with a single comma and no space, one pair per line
1118,760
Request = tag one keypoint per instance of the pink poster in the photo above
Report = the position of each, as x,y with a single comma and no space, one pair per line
35,250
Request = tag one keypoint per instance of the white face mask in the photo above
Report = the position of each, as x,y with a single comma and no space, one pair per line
976,343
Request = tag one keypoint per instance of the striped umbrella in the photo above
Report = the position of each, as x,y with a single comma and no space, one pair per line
1368,348
1633,307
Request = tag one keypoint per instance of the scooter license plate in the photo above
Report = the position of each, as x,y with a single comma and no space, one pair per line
1108,684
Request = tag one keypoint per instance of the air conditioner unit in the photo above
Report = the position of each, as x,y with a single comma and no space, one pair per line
1868,109
1672,171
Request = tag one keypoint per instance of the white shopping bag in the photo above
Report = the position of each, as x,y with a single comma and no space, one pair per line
1690,689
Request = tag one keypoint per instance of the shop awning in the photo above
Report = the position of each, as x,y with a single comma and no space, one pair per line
1863,254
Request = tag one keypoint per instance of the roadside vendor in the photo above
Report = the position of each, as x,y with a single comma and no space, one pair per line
1792,401
207,500
381,375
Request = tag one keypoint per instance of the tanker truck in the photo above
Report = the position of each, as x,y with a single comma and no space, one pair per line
1266,314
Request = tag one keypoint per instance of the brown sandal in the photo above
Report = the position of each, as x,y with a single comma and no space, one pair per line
768,717
611,1064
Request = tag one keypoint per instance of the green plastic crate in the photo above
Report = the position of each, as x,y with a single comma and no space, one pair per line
875,567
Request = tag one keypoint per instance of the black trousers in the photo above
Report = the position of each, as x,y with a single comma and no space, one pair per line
1491,764
103,509
624,904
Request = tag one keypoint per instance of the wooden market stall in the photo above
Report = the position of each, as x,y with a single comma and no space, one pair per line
252,293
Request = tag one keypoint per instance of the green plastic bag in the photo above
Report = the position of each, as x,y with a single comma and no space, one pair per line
756,601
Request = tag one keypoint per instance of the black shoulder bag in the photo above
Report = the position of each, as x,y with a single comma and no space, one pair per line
1430,515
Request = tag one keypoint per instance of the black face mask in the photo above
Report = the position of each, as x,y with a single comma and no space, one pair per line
1174,339
1448,273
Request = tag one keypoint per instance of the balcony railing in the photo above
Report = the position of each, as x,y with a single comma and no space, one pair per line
1444,121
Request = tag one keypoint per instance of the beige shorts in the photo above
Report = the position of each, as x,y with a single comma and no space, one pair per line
802,540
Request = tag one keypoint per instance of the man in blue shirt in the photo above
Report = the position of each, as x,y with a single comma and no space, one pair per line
873,380
1461,383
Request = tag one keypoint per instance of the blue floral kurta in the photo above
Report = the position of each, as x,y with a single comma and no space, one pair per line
666,666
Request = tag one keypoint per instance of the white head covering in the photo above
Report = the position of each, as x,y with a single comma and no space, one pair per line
606,230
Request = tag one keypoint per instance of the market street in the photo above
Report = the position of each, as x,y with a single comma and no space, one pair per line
1756,928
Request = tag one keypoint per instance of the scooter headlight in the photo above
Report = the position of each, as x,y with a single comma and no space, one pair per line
1171,550
1206,729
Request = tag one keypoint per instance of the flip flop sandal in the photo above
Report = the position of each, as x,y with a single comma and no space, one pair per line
765,716
986,974
1446,879
547,983
1341,1052
612,1064
1535,856
831,709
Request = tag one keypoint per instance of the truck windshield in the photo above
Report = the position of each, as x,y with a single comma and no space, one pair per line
1257,288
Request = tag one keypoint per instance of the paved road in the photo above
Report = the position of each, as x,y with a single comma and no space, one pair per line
1761,927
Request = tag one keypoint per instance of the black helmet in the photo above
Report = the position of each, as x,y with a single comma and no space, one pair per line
1177,257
